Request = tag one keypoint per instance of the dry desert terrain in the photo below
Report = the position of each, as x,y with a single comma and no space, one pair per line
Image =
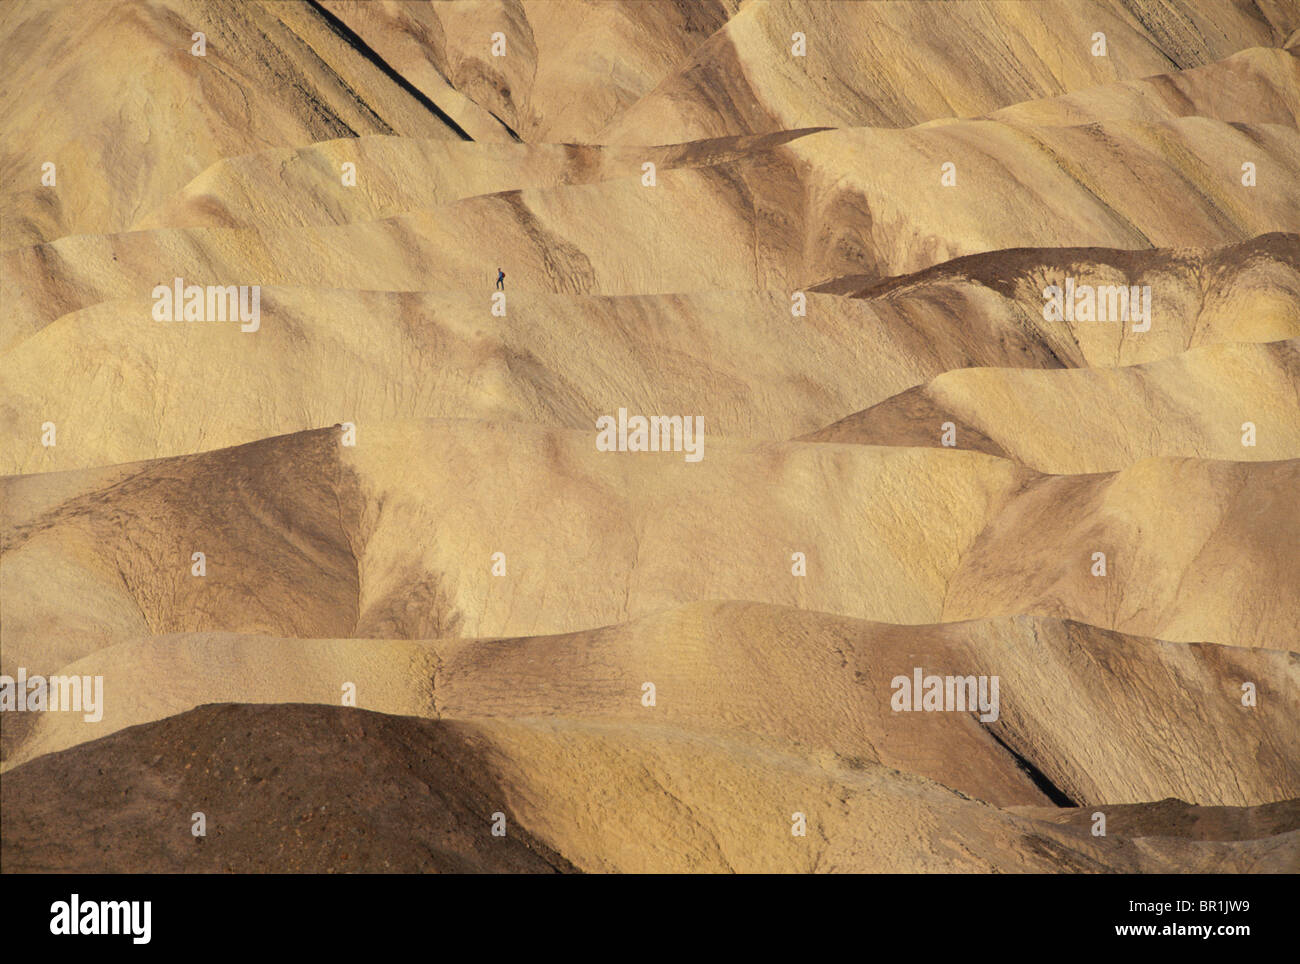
881,452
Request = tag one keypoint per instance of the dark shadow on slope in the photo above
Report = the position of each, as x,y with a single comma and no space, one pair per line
1050,789
360,46
284,788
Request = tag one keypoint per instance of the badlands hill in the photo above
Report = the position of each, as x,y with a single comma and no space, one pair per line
387,485
796,678
295,788
900,64
398,535
403,798
818,207
272,75
738,358
1086,420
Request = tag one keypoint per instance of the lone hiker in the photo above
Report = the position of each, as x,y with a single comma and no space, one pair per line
501,280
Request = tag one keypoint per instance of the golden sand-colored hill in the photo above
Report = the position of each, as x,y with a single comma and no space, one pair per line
898,64
1200,403
810,680
1261,83
296,788
272,75
361,582
398,536
741,360
564,68
821,206
299,186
